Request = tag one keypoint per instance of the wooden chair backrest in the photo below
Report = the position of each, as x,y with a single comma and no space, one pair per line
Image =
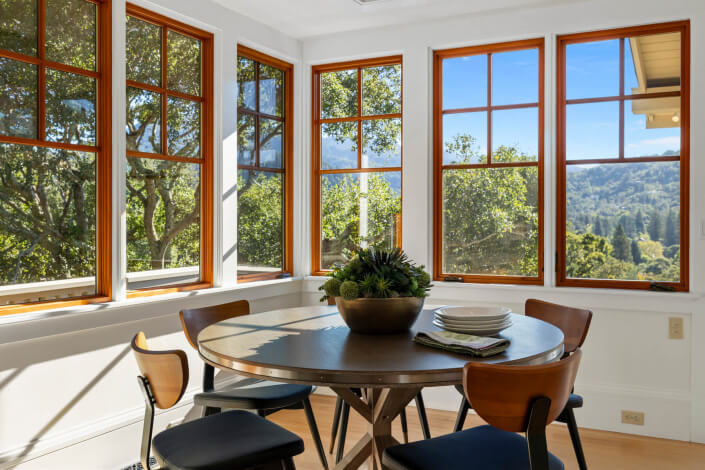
503,394
166,371
574,322
196,319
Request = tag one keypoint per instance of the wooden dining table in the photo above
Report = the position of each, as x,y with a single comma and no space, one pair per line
312,345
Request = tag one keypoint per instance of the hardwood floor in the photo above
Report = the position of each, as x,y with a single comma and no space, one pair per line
604,450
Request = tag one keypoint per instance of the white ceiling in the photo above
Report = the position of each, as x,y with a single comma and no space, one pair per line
302,18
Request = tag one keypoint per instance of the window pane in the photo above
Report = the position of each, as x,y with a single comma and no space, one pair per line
652,63
339,94
338,145
183,128
592,69
381,143
246,97
652,127
260,233
515,77
144,52
592,130
490,221
465,138
623,221
271,90
163,230
465,82
183,63
381,90
271,143
48,229
144,125
70,108
71,32
358,210
18,99
18,26
515,135
246,139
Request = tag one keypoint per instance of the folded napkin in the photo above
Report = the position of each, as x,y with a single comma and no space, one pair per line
461,343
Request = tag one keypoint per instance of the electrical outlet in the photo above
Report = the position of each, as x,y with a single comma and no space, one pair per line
675,328
633,417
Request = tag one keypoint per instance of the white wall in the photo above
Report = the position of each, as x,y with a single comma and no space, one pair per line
68,391
629,363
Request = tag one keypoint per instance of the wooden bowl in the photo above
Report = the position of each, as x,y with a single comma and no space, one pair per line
380,316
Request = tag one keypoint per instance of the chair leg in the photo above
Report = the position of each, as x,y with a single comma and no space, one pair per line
314,432
462,414
575,437
336,422
288,464
343,431
422,416
404,426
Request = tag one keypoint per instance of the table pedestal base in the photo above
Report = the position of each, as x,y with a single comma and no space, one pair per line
379,407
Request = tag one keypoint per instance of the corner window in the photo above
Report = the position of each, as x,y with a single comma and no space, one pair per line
488,163
623,158
357,158
169,135
264,166
54,154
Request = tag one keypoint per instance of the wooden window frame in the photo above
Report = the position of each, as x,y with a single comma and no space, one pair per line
439,166
317,172
288,158
684,158
206,159
102,149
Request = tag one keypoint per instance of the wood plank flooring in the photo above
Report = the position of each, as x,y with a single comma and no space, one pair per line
604,450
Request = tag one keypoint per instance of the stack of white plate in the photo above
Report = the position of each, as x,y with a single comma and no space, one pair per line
473,320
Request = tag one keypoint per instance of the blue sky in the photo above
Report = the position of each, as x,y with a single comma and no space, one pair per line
592,129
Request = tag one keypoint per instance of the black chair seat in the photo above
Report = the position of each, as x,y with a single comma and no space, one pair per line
266,397
574,401
230,440
481,448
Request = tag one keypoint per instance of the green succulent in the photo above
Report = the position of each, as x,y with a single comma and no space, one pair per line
332,287
377,273
349,290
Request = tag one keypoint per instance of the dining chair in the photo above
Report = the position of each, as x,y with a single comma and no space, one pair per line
575,323
512,399
266,398
231,440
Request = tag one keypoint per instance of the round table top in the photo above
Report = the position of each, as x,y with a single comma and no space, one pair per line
312,345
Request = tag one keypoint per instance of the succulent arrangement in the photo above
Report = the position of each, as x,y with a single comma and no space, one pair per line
377,273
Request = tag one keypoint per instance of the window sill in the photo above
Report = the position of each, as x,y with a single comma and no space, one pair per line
70,319
595,298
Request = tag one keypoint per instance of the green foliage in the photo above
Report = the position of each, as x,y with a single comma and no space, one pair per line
621,246
655,227
636,252
379,273
349,290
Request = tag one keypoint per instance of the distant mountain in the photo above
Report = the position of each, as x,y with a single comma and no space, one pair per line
613,190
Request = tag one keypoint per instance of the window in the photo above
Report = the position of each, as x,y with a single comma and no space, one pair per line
357,158
264,162
488,163
623,122
54,153
169,153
